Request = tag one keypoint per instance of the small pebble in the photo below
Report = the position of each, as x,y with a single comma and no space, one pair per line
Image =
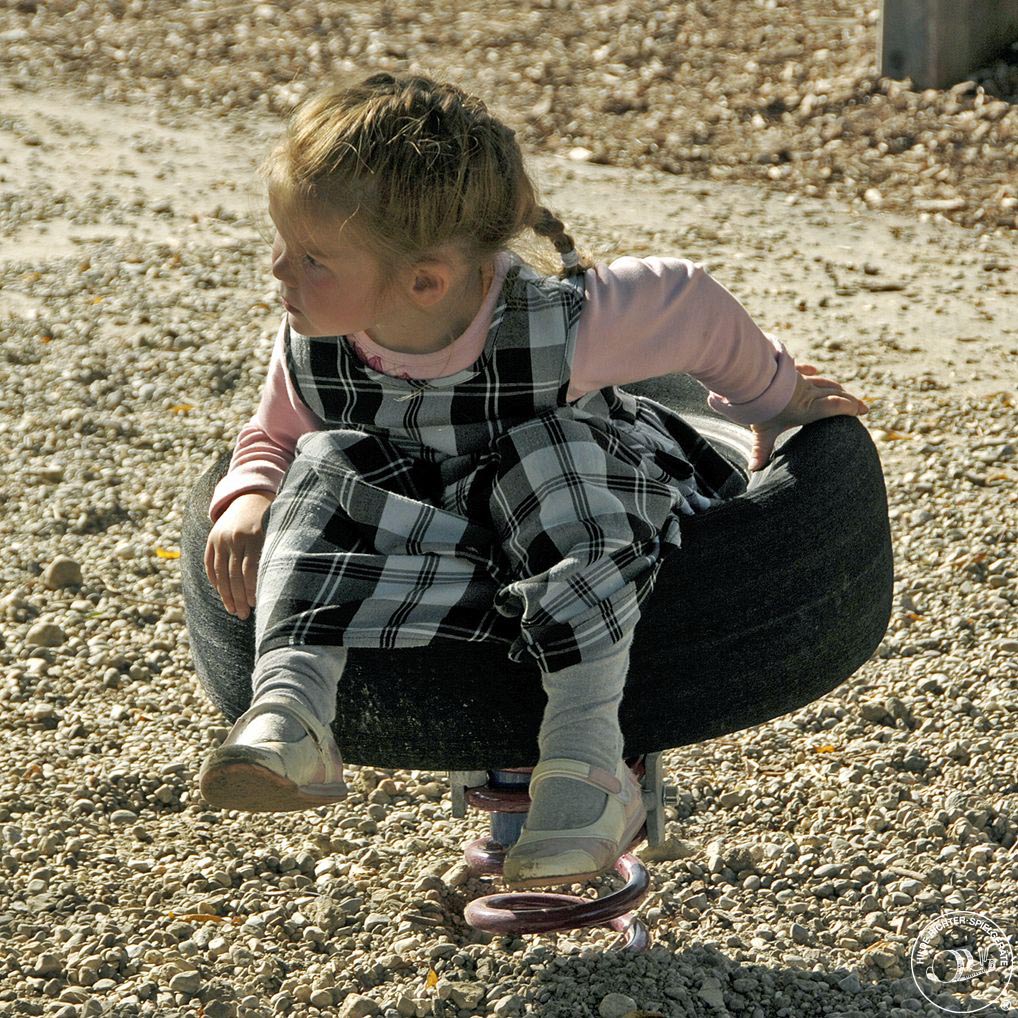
186,982
62,572
615,1005
45,634
358,1006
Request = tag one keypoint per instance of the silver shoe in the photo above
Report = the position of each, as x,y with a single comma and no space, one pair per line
273,776
573,855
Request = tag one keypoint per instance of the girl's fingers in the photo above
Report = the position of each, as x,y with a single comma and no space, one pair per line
763,445
221,581
250,579
818,381
839,390
825,388
237,592
822,382
210,571
838,404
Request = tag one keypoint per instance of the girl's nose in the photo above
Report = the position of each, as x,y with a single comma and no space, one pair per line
280,262
279,268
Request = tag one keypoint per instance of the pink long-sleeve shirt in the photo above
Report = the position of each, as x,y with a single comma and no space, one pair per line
643,318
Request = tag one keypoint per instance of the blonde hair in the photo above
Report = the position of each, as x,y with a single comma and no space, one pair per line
412,164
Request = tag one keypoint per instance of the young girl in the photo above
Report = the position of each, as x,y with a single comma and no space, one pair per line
450,457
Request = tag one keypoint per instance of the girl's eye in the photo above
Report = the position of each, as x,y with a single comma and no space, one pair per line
310,261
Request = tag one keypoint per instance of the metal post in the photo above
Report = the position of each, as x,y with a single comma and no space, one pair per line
938,43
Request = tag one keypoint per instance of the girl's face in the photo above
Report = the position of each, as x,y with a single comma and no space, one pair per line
329,285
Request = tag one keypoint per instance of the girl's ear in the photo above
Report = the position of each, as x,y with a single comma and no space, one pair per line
432,279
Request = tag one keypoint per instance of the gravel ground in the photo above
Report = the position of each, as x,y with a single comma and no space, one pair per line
754,90
804,857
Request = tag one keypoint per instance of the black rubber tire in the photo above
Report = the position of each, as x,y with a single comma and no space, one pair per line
773,600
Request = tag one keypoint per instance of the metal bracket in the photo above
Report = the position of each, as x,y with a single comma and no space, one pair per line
459,782
656,795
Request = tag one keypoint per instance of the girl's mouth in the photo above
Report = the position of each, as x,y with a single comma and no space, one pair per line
289,307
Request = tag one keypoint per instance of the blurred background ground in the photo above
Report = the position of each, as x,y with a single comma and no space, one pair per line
784,95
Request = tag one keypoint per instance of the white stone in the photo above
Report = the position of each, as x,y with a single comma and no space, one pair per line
615,1005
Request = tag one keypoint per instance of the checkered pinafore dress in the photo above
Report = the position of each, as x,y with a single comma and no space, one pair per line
480,505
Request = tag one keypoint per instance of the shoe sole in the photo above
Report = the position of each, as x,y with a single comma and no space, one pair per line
229,781
631,839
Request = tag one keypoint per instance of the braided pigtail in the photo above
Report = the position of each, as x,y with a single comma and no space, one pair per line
547,224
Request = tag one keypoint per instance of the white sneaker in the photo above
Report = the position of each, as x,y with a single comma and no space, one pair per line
271,776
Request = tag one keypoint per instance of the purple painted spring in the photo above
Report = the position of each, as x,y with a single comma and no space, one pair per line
506,799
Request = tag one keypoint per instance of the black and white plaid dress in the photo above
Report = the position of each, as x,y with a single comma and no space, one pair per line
481,505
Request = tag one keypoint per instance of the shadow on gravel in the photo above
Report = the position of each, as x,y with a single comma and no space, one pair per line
704,981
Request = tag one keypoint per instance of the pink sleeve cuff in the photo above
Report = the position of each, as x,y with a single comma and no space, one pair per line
774,398
235,484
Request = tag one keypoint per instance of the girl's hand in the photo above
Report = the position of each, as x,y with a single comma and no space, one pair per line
814,397
233,549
